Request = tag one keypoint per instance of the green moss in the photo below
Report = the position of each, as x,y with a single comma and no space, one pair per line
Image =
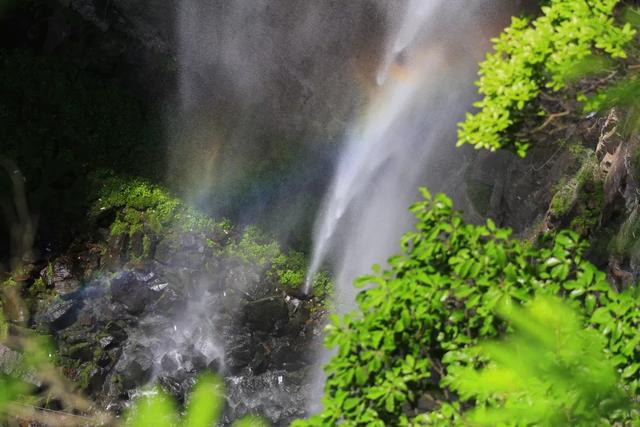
254,247
144,208
38,287
577,150
141,205
582,196
4,325
146,246
9,283
627,241
635,162
84,376
563,199
289,270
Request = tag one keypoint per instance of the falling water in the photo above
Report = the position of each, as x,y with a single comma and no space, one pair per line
242,60
405,137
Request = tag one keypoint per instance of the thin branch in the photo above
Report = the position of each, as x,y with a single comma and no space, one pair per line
551,118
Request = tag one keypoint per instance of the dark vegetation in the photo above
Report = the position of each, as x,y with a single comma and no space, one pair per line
64,115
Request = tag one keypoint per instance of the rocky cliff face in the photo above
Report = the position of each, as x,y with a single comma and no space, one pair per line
582,174
292,66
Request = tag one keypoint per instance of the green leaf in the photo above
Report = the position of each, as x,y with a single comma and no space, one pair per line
205,402
601,316
153,410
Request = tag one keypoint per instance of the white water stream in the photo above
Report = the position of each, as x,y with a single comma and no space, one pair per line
423,87
244,51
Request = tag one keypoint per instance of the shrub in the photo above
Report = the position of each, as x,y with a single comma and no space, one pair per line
254,247
535,55
550,371
419,319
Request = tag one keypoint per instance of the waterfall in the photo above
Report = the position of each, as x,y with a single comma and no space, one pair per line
404,139
249,67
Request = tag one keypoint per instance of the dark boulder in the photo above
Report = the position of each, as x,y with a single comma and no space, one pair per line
265,313
61,314
58,276
134,368
134,295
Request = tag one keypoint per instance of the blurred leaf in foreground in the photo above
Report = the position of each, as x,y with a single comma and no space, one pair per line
204,409
550,371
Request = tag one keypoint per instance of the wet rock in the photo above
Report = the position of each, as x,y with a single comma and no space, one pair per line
118,331
61,314
264,313
214,365
195,361
134,369
56,272
58,276
80,351
165,252
259,363
135,296
173,387
137,244
67,286
106,341
285,356
96,380
187,240
117,250
144,276
239,352
277,395
169,363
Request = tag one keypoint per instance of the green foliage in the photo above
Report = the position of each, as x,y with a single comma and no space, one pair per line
420,319
141,207
155,410
549,372
627,241
205,402
290,270
203,410
582,196
254,247
535,55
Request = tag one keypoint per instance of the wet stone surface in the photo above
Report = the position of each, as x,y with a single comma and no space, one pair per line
178,313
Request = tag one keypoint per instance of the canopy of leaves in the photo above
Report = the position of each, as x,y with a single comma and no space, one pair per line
533,55
420,319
